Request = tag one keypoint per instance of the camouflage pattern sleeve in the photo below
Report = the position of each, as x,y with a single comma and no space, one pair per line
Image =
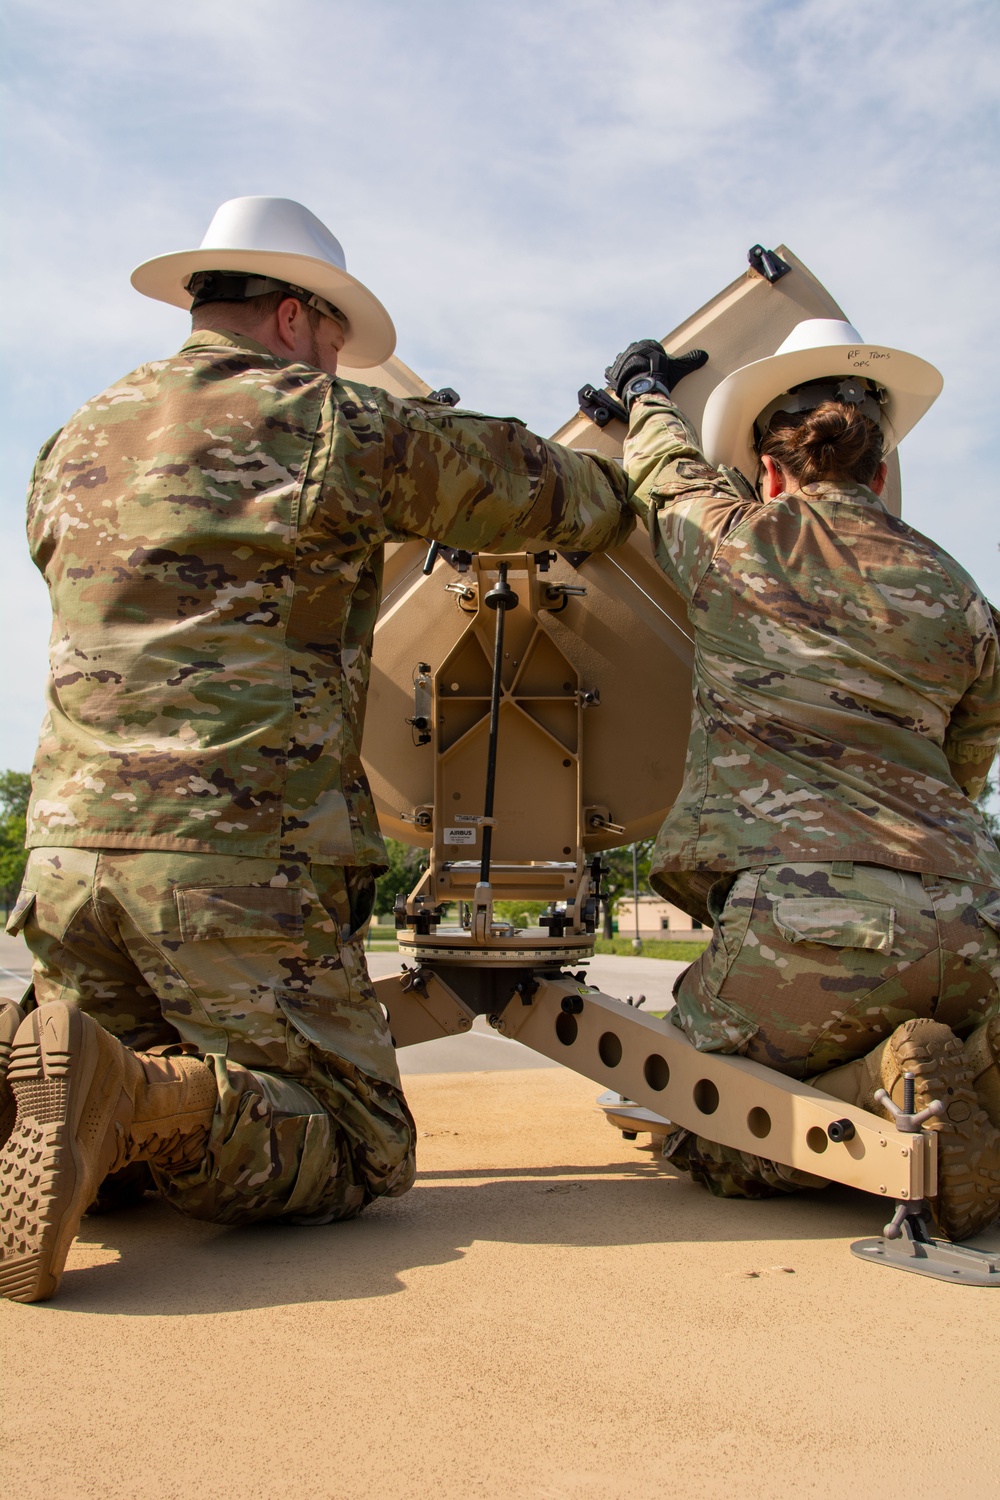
210,529
971,737
487,483
688,505
846,674
40,464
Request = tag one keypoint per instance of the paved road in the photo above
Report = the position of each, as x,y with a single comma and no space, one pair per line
15,966
652,977
483,1050
550,1314
480,1050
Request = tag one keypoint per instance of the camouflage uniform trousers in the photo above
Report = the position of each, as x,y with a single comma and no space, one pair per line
259,968
814,965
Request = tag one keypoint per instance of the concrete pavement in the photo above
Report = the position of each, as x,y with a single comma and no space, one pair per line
480,1050
549,1314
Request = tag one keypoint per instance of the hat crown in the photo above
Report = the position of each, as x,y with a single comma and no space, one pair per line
816,349
272,224
820,333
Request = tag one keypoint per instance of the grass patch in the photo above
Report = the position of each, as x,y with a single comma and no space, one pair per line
684,953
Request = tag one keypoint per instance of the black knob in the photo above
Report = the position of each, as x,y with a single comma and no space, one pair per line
572,1005
501,595
841,1130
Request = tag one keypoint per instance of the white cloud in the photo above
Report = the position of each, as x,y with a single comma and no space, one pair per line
526,186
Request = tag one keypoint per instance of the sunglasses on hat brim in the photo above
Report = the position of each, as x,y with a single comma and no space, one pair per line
237,286
851,390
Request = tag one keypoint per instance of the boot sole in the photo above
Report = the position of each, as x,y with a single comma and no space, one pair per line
54,1066
11,1017
968,1196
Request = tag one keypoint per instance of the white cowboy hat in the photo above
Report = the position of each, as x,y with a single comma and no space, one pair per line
279,238
817,347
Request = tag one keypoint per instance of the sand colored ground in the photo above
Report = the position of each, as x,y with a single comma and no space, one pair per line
549,1313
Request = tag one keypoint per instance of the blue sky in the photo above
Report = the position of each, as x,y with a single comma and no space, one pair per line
527,187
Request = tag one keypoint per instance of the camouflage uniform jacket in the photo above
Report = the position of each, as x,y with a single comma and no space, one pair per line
211,531
846,677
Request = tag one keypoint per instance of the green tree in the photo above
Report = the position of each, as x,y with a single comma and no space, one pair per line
987,801
405,867
15,789
618,881
521,913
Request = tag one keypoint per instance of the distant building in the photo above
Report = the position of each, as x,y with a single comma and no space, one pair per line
657,919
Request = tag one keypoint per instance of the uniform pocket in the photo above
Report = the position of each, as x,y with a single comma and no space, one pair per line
211,913
714,1023
836,922
22,911
711,1023
732,907
989,912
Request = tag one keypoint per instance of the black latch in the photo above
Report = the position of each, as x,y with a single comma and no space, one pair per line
456,557
444,397
600,407
767,263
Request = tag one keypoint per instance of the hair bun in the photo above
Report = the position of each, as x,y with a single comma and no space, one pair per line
828,424
834,441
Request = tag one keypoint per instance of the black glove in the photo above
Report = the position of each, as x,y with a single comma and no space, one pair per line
646,366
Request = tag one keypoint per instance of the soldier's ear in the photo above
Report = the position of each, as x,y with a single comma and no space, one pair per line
290,317
878,483
773,482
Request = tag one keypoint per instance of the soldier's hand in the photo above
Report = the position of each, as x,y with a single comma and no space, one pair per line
646,366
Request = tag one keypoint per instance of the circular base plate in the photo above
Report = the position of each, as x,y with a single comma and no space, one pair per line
530,946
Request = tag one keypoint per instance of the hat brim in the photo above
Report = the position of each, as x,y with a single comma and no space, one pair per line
371,337
912,385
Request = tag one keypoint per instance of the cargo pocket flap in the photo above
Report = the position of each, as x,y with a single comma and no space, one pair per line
989,911
251,911
21,913
837,923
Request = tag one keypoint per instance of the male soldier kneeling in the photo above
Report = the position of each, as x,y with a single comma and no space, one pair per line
203,840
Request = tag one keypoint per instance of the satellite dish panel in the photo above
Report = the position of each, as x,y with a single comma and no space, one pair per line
597,684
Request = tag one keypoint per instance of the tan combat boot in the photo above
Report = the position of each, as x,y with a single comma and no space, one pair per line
11,1016
86,1106
983,1051
968,1197
123,1190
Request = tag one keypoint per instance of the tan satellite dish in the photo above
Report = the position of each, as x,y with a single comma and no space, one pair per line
597,684
593,724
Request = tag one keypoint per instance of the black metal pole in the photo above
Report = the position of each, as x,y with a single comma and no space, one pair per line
501,598
636,941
